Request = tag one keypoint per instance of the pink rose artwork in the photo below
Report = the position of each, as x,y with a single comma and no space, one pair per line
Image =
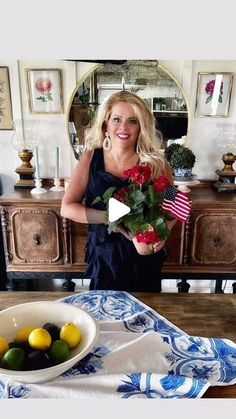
209,89
44,87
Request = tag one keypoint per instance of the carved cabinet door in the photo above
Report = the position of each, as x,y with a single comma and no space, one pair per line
36,236
214,238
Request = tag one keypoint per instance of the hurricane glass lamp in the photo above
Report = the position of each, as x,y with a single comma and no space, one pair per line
23,140
226,143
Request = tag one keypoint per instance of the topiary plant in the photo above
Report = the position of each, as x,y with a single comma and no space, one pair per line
182,157
170,150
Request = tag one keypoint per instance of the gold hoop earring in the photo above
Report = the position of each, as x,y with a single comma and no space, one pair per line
106,142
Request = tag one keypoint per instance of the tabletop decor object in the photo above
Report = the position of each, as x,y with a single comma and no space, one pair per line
182,160
57,183
214,94
38,189
226,145
152,203
24,139
139,354
36,314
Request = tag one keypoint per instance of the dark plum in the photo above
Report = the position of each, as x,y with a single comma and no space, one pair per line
53,330
37,360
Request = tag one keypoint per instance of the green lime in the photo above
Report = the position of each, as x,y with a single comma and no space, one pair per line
59,351
13,359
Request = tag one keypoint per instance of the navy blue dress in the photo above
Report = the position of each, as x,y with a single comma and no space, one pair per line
112,260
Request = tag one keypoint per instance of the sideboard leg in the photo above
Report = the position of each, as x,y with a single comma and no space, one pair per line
234,287
11,284
183,286
218,287
69,285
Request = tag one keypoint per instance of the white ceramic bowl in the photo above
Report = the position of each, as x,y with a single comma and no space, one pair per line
36,314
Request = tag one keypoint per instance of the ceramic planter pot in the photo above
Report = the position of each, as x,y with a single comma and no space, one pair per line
142,248
182,172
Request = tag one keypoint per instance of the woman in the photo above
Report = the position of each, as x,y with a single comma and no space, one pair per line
123,135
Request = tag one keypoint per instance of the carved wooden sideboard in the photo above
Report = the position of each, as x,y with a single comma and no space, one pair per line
39,243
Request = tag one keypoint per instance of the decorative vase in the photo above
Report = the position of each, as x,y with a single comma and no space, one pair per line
183,172
142,248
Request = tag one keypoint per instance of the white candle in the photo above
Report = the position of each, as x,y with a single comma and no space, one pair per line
57,164
37,174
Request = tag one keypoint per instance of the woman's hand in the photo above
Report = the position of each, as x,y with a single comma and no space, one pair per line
158,246
122,230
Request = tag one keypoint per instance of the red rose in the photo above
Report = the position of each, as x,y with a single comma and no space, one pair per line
161,183
120,195
43,85
148,237
138,174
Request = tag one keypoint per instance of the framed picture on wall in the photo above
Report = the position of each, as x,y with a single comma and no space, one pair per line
213,94
5,100
44,89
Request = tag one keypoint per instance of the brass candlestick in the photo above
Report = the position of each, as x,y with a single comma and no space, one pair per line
25,171
228,160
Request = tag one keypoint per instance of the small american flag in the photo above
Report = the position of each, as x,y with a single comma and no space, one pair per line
176,203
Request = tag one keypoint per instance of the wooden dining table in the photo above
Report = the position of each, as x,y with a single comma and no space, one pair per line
206,315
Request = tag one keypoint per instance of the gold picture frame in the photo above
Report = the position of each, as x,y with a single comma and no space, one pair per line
44,89
5,100
214,94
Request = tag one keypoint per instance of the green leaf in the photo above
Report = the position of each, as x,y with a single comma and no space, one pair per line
96,200
220,99
162,231
152,197
153,212
108,194
136,197
209,99
159,222
111,226
133,223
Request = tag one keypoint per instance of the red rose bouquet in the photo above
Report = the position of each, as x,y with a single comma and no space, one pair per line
152,203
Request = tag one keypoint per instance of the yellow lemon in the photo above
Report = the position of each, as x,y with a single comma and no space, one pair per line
40,339
3,346
70,333
23,334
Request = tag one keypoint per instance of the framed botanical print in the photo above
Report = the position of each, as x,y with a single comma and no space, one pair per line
214,94
44,88
5,100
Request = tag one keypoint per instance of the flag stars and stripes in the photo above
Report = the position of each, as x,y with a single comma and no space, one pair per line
176,203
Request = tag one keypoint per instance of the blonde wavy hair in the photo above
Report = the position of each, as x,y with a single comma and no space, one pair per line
149,140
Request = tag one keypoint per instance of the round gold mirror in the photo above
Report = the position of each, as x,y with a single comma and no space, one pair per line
146,78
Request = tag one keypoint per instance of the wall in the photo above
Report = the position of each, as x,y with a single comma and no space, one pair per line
53,130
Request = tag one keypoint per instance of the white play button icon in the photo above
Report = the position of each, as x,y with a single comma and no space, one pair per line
116,209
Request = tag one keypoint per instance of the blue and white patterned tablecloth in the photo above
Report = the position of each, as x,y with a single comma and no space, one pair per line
139,354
